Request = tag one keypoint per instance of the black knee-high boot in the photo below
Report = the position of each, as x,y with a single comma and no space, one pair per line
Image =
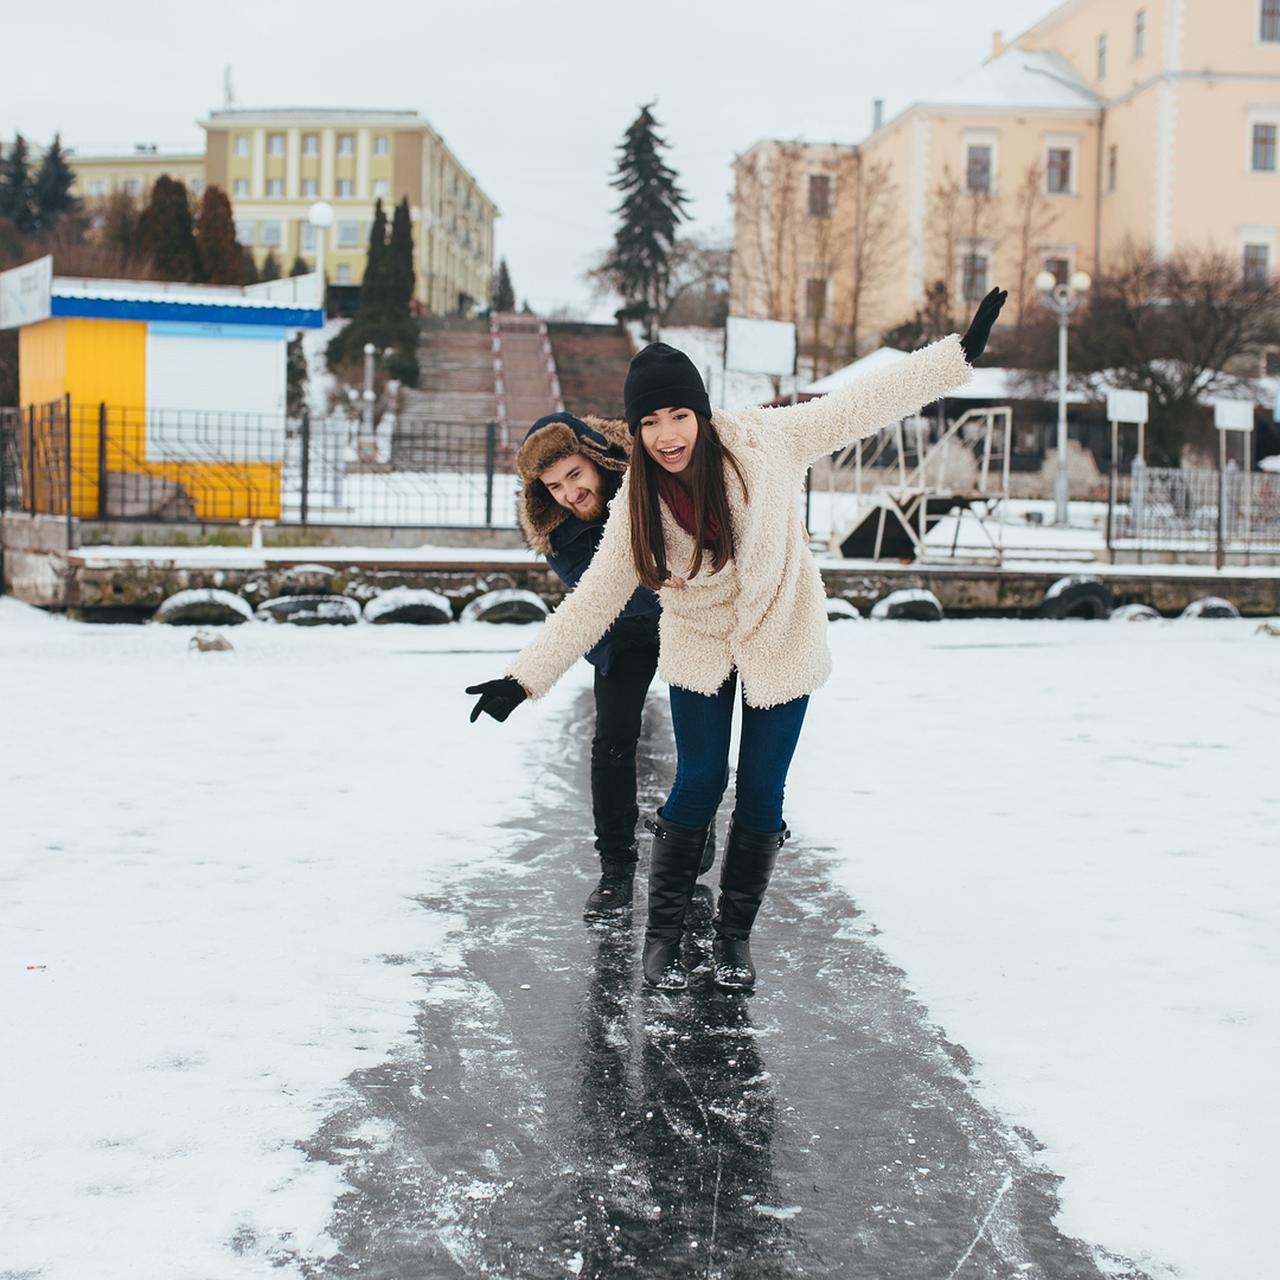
749,859
673,871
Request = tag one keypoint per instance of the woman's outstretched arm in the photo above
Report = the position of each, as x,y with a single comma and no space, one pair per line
819,427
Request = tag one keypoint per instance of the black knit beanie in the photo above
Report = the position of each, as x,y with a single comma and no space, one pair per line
660,377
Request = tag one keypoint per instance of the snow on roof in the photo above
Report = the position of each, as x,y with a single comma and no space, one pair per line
163,291
880,358
1021,78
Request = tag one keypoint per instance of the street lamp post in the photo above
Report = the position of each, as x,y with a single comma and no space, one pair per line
1062,299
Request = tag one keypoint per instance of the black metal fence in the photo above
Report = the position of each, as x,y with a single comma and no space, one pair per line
110,462
1167,509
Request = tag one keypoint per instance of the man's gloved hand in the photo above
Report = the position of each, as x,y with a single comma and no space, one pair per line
498,698
974,341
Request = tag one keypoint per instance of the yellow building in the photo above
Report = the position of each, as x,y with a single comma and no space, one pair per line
1154,121
274,165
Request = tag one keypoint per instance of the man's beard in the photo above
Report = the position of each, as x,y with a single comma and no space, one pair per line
592,511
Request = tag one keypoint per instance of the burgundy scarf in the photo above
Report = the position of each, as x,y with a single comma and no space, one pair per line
679,499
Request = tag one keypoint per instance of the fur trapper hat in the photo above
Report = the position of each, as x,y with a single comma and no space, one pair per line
605,442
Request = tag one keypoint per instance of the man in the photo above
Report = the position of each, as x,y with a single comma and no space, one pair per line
570,470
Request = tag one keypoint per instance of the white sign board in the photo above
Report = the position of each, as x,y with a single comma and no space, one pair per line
760,346
1233,415
1126,406
26,293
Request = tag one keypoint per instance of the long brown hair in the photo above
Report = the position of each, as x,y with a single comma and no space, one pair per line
707,489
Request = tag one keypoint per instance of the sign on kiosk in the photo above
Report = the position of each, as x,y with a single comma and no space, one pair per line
26,293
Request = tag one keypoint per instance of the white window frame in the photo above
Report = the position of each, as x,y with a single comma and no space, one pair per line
1264,236
240,188
247,231
344,238
306,236
242,146
97,186
342,273
980,138
310,188
1262,116
984,249
1258,41
381,187
381,144
1100,64
131,186
310,144
275,188
1061,142
196,186
272,236
345,144
344,189
275,145
1139,34
1050,249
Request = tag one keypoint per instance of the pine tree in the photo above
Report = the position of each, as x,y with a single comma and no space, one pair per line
270,267
299,267
167,233
373,288
120,224
504,295
399,264
17,201
51,188
249,269
221,255
652,207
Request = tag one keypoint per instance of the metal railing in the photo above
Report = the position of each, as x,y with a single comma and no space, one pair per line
111,462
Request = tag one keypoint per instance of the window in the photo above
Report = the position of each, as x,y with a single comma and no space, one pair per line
342,274
275,187
1102,57
345,188
310,187
240,187
348,235
1139,33
247,232
1058,171
132,186
380,187
272,233
1269,22
310,144
242,144
306,237
346,144
973,285
819,196
977,168
381,145
1257,267
1113,161
1061,268
1264,148
815,299
275,144
196,186
97,187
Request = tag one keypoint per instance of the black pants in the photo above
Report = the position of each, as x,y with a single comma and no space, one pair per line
619,703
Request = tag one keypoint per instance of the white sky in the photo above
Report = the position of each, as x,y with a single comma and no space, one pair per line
532,97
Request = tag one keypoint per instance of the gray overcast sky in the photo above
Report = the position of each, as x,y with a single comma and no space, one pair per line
532,97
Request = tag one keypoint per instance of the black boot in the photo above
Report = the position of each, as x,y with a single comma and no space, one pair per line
612,896
749,859
673,871
708,850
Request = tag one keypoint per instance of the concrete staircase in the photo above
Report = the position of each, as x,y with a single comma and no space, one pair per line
524,372
455,358
591,360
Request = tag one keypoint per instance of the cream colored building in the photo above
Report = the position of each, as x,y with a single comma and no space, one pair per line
274,165
1154,121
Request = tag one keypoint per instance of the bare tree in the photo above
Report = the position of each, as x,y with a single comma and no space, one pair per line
767,210
877,236
1033,217
946,230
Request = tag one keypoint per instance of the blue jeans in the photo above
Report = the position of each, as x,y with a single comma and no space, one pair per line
702,728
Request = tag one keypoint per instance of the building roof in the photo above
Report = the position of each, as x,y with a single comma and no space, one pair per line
290,304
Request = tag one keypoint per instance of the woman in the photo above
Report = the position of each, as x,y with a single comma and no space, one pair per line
706,517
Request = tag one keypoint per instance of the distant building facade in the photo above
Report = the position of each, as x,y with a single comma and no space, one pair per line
275,164
1155,121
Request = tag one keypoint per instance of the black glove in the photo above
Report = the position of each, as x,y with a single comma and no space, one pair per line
974,341
498,698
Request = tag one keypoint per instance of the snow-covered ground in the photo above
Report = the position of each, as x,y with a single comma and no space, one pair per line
1062,832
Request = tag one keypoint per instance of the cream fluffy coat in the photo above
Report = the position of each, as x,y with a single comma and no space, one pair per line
764,612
